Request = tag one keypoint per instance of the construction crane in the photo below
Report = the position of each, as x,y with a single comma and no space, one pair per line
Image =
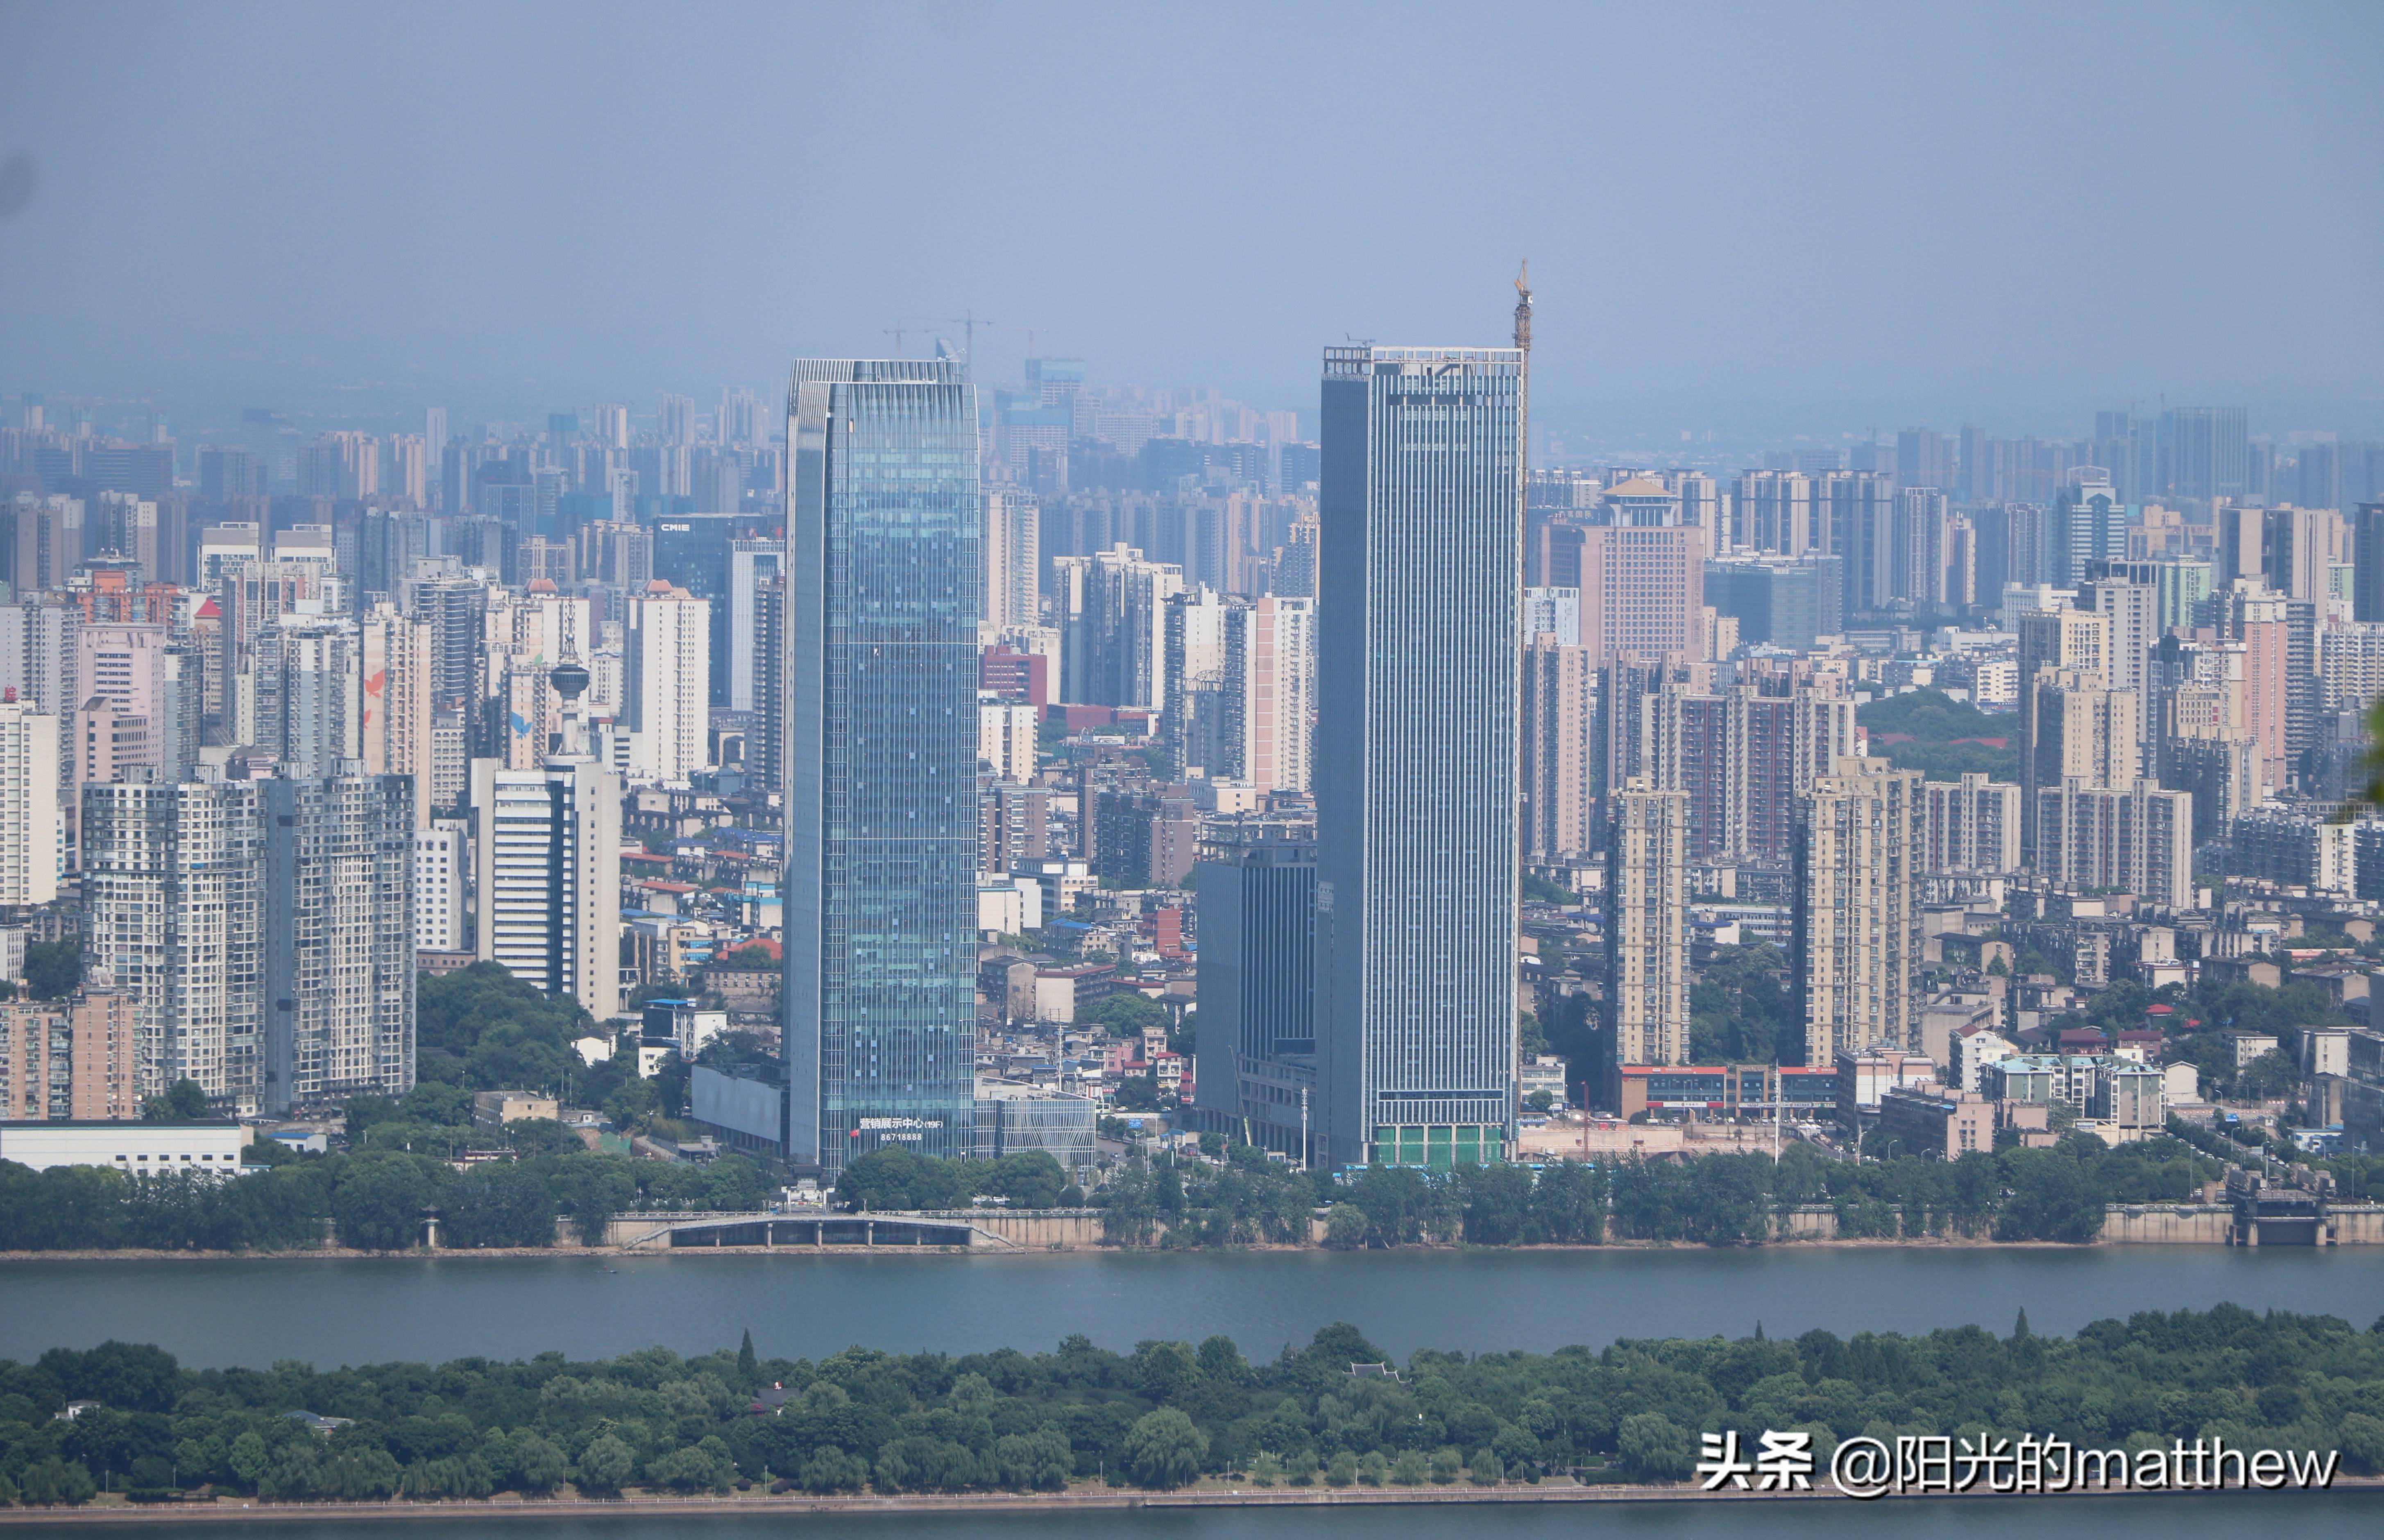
968,324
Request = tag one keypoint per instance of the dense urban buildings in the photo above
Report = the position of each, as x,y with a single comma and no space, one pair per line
1344,746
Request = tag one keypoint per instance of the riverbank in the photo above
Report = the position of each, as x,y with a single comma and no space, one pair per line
1090,1499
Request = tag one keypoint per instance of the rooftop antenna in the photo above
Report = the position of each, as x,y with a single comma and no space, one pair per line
1523,345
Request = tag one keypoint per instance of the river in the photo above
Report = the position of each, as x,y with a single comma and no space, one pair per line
2309,1516
334,1311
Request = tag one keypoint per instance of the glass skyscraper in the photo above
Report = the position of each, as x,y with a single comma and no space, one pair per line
884,579
1420,592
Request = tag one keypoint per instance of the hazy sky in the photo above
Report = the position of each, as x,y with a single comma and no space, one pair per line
1832,213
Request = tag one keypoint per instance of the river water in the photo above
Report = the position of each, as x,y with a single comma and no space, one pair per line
331,1312
2309,1516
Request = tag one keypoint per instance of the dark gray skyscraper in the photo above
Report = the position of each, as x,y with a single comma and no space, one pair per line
884,575
1421,570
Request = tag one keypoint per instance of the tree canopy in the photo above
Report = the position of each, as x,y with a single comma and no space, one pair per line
1165,1413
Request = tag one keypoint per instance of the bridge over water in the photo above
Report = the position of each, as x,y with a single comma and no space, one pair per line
964,1229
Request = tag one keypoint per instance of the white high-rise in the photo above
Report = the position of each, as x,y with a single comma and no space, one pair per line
669,668
440,865
750,564
33,832
546,865
1013,537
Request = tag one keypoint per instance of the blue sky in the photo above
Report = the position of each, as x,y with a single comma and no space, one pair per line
1819,217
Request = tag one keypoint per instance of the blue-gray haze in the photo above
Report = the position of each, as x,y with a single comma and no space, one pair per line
1814,216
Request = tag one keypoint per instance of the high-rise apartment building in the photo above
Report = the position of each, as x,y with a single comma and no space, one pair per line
173,881
1269,691
2132,839
1856,954
1421,504
1014,565
546,878
262,931
37,654
1112,609
68,1057
669,665
1973,826
1647,925
441,863
1559,740
33,832
751,563
397,702
2050,641
339,942
1257,1052
881,825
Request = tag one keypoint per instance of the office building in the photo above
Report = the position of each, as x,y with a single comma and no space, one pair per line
2205,452
2367,564
32,831
1782,602
1560,738
669,662
68,1059
1552,613
546,876
338,939
1856,957
1647,925
1257,967
1973,826
882,819
2089,523
1420,505
1641,588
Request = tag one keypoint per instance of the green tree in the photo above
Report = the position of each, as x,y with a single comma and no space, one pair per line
378,1205
1126,1013
53,969
1166,1449
540,1463
1345,1226
1653,1447
606,1465
184,1101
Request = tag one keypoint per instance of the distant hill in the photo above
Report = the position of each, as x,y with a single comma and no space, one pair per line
1929,731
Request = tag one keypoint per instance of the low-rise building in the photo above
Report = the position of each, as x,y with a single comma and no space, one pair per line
68,1057
209,1146
495,1109
1935,1121
2130,1094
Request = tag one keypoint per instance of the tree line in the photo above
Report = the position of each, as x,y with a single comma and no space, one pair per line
1164,1415
376,1197
2011,1195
